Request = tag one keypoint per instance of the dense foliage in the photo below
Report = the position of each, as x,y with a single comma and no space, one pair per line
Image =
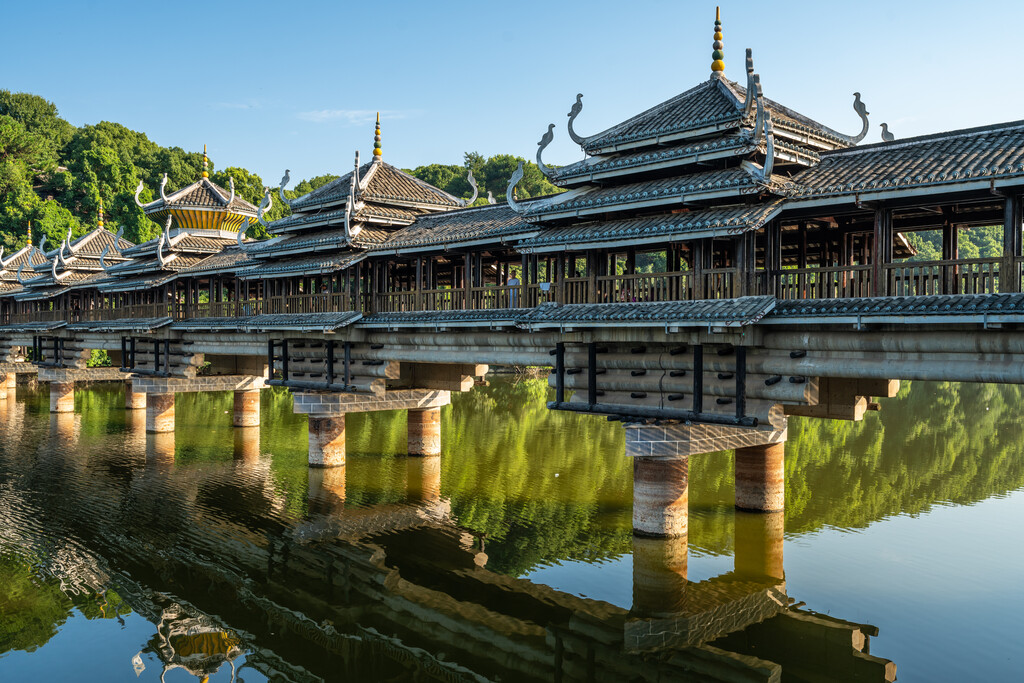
53,176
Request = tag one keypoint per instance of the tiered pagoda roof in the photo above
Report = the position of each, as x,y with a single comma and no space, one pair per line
23,259
203,205
335,225
74,264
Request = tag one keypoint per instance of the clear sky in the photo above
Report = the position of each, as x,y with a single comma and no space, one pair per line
270,86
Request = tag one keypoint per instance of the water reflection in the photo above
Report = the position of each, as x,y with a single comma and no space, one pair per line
392,567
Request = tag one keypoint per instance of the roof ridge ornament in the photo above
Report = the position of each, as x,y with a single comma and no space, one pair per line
163,184
265,205
573,113
167,229
476,190
490,198
862,112
160,249
103,255
769,157
510,191
231,182
377,152
545,140
280,188
761,108
748,102
717,54
886,135
138,191
241,233
20,268
206,173
1,257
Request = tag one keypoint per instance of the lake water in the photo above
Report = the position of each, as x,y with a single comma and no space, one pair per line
215,552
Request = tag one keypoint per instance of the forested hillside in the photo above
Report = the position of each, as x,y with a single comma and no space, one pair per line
54,175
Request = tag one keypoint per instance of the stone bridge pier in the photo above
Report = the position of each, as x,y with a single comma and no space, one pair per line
326,411
62,383
158,397
661,459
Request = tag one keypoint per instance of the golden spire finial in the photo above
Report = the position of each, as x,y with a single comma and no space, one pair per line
717,56
99,223
376,141
206,173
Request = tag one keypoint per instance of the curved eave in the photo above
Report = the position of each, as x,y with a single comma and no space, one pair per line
855,195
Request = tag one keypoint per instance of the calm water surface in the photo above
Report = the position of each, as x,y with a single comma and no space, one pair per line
215,552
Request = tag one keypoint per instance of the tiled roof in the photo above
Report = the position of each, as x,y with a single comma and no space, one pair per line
93,242
468,225
722,312
28,256
34,327
189,241
324,218
45,286
202,194
985,153
386,213
301,322
937,305
719,312
696,224
677,155
713,104
122,325
302,265
129,284
695,186
382,183
229,260
707,104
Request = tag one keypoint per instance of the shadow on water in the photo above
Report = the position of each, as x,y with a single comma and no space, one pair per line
225,554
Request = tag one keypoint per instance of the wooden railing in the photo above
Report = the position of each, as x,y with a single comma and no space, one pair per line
824,283
962,276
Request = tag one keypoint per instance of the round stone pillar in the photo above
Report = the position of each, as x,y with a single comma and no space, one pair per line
247,408
659,575
758,540
760,478
423,480
424,431
133,400
160,413
660,496
62,397
327,441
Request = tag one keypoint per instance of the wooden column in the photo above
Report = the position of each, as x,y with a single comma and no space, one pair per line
881,253
1009,269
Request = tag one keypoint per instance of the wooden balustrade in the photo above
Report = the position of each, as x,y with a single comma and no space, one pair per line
962,276
927,278
842,282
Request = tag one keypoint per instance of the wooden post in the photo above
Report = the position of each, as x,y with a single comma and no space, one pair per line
881,255
1009,270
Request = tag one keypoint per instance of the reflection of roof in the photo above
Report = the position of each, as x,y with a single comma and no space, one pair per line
382,183
697,224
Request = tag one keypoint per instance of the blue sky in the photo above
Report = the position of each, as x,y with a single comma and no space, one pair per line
270,86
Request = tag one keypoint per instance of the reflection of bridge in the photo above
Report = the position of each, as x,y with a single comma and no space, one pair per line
714,265
386,582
